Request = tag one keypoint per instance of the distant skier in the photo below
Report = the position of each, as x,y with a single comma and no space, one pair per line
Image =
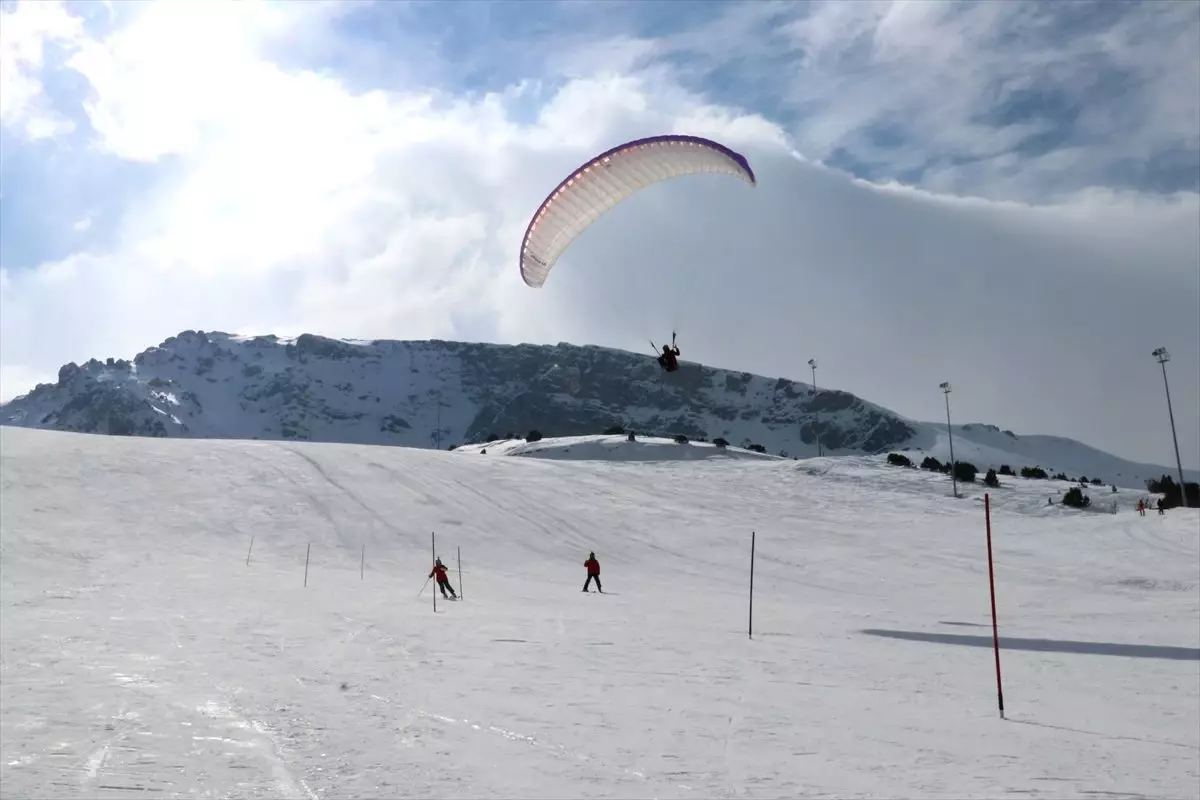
443,581
593,573
1142,508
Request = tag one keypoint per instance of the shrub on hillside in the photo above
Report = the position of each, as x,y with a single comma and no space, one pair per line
965,471
1062,476
758,448
1034,472
1172,496
898,460
991,479
1097,482
631,437
534,436
720,442
932,464
1005,469
681,439
1075,498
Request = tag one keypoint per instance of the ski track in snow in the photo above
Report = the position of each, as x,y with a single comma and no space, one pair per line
142,657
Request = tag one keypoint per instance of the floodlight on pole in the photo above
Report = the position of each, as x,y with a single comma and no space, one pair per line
1162,356
945,387
812,362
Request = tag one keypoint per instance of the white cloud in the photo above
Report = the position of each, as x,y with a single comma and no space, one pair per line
1008,99
26,32
289,202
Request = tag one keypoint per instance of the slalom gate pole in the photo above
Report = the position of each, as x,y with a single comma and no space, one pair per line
249,551
433,547
750,626
460,589
307,552
987,511
362,564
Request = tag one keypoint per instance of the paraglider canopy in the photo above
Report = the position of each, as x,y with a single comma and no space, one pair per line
607,179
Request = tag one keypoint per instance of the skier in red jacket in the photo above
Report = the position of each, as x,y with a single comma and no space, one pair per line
593,573
443,581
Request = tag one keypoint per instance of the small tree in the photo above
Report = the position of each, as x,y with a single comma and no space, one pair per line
720,442
1075,498
631,437
932,464
681,438
1005,469
534,436
965,471
1034,472
758,448
991,479
899,460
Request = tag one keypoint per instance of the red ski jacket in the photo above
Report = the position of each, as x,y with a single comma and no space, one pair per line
593,566
440,569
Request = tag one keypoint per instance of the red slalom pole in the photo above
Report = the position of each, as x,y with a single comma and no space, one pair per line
987,512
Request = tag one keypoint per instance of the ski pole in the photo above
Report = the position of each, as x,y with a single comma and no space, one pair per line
423,585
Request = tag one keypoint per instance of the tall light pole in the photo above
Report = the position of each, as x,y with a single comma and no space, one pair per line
945,387
437,432
812,362
1162,356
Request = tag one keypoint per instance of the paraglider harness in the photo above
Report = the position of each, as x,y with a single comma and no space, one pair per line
667,358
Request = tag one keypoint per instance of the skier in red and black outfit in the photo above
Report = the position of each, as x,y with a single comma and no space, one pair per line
439,569
593,573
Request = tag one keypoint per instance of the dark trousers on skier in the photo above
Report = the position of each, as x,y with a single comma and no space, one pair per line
589,580
444,584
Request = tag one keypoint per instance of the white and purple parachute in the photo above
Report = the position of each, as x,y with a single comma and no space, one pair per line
592,189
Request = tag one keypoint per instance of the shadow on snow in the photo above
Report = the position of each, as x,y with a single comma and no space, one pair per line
1047,645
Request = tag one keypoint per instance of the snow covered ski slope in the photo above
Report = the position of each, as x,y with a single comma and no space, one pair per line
142,656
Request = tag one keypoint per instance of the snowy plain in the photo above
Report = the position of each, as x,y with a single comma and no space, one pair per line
146,650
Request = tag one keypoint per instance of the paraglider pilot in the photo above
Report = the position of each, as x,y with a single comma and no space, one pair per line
669,355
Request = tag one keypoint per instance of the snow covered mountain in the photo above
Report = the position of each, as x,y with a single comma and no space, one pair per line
441,394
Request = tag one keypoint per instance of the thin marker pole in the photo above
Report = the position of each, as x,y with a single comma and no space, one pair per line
460,589
307,552
362,564
750,628
249,551
987,510
433,548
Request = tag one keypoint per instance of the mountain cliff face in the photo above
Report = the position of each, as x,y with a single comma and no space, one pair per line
440,394
437,394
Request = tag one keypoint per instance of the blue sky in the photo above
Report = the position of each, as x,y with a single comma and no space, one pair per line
365,170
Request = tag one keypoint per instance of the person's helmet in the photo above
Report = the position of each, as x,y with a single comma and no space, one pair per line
666,348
